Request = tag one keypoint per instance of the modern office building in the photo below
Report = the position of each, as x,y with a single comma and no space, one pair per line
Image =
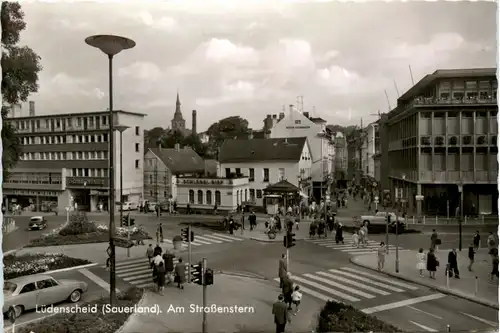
442,143
64,160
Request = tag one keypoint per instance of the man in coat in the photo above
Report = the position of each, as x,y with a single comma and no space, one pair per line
288,290
180,274
283,269
281,314
453,264
253,220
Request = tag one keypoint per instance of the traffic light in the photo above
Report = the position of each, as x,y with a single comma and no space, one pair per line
209,277
192,236
124,220
290,241
185,234
285,239
196,273
388,219
128,221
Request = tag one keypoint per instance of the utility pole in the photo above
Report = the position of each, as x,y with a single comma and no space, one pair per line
203,276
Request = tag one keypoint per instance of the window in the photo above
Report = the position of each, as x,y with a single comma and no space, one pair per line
137,148
200,197
238,171
104,120
91,121
228,172
46,284
251,172
217,198
28,288
137,164
259,194
297,122
38,123
105,137
151,179
137,130
78,121
282,173
252,195
164,194
246,195
266,174
209,197
191,196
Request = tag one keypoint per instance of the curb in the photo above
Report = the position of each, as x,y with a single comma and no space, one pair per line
71,268
13,251
431,286
249,275
139,304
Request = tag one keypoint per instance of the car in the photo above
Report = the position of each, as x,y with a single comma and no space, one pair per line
152,206
380,220
31,291
37,223
127,206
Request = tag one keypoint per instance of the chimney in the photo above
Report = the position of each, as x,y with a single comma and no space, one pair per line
250,135
194,123
177,147
291,108
306,114
32,108
282,115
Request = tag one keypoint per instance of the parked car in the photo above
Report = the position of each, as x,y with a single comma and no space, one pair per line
380,220
152,206
30,291
37,223
127,206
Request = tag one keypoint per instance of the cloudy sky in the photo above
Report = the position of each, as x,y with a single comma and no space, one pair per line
250,58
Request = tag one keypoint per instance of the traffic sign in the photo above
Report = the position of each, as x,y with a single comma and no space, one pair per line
108,251
376,198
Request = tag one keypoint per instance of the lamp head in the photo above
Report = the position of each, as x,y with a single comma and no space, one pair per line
120,128
110,44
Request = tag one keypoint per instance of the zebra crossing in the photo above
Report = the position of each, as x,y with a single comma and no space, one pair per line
137,271
348,246
208,239
348,284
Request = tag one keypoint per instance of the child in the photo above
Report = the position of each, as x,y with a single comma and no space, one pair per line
296,298
421,261
355,238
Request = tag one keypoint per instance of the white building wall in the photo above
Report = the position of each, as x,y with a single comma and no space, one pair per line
157,177
368,151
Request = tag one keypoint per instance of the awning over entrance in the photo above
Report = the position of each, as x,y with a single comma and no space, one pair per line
283,186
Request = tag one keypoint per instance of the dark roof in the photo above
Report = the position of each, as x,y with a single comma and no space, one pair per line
211,166
277,149
317,120
180,161
283,186
445,74
77,114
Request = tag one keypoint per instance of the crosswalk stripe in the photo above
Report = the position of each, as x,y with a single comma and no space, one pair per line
215,236
380,278
228,237
338,285
184,244
328,290
362,279
356,283
363,252
354,250
201,241
346,246
135,277
208,238
313,293
145,285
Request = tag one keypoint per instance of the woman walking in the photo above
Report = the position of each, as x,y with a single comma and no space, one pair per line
421,261
180,274
432,263
160,277
381,256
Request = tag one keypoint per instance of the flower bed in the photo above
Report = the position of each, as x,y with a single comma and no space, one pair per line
34,263
340,317
88,322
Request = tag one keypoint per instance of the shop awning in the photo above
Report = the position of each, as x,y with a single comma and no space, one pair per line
283,186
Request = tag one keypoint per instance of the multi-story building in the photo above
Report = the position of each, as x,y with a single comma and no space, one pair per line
64,160
300,124
442,143
266,162
162,165
371,140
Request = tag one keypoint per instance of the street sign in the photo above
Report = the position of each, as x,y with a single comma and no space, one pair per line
419,197
376,198
108,251
123,242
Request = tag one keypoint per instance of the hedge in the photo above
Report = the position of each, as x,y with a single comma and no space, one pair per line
88,322
340,317
35,263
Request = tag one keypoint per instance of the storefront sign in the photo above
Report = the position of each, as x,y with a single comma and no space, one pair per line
85,181
298,127
203,181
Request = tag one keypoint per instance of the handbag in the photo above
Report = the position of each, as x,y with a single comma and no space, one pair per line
438,241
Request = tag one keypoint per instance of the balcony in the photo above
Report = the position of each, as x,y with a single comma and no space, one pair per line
87,182
433,101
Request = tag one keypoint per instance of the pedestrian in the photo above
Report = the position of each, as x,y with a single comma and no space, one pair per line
160,277
471,256
491,241
355,238
253,220
432,263
476,240
281,314
242,221
160,232
453,264
381,256
296,298
157,250
180,274
168,258
339,234
361,240
288,290
282,269
150,253
434,238
421,261
494,271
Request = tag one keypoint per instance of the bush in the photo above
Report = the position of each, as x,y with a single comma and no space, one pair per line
340,317
35,263
88,322
78,224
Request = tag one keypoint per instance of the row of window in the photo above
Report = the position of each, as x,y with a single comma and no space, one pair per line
57,123
88,172
58,155
35,178
58,139
204,198
265,173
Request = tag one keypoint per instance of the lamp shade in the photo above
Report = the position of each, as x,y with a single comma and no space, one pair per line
110,44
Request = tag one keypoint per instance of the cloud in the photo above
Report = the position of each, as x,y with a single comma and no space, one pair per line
224,51
141,70
164,23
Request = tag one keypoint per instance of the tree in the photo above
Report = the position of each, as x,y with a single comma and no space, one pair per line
20,68
194,142
227,128
171,139
153,136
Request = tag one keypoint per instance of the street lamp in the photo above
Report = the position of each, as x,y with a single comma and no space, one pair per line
111,45
121,129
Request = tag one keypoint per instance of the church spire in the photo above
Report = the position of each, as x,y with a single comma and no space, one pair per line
178,113
178,102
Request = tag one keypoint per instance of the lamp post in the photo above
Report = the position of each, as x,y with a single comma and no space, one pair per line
121,129
460,216
111,46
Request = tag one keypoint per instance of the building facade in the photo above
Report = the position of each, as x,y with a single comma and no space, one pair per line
442,143
369,148
266,162
64,160
162,166
203,194
300,124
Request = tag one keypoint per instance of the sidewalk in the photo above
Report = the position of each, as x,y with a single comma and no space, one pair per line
474,286
258,233
227,291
